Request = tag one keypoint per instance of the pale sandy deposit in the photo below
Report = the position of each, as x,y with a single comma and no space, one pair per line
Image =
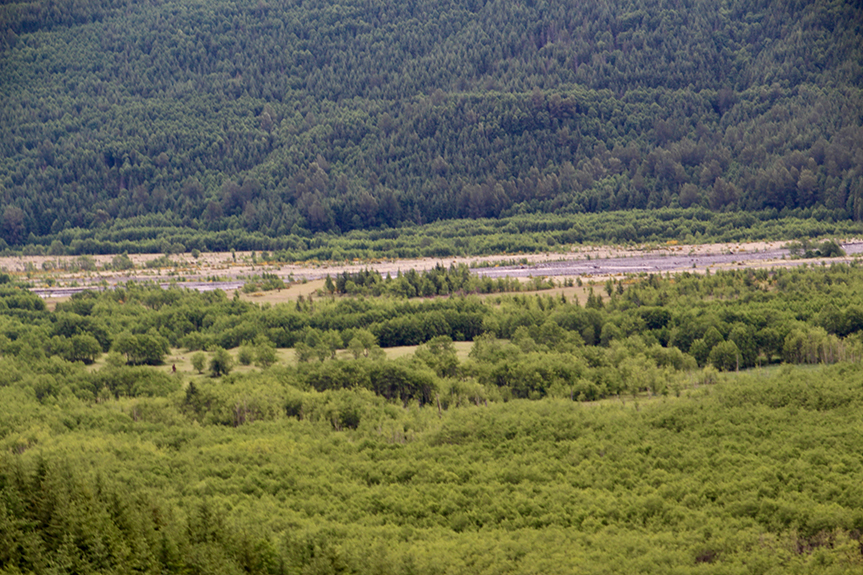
592,262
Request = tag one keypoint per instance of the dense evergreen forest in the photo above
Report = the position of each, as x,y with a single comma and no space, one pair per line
611,435
124,118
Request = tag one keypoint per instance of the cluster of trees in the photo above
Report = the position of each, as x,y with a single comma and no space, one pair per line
457,279
264,282
808,249
331,116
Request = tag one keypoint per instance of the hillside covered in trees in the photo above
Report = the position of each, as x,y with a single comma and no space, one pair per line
332,115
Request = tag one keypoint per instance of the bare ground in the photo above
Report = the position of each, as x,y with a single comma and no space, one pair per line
52,276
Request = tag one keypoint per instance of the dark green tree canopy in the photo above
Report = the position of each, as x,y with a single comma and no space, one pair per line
332,115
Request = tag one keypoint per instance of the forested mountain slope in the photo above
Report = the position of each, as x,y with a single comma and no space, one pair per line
281,117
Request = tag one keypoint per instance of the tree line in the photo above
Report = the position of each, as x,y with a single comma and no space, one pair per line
486,236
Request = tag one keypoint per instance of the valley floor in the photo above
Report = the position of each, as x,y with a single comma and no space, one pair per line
51,277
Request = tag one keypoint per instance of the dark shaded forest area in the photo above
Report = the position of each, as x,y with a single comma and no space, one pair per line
278,118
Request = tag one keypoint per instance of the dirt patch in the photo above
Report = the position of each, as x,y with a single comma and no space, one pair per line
607,264
290,294
54,276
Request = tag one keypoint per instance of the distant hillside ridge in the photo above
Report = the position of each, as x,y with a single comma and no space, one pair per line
278,118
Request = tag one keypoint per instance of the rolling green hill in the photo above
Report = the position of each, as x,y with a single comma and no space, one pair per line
332,115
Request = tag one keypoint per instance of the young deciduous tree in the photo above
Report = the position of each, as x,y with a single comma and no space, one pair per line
246,354
142,349
199,360
265,352
725,356
439,354
85,348
221,363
